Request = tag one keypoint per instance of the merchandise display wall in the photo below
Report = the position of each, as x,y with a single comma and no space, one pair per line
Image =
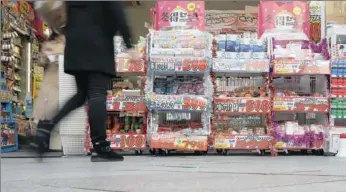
17,34
19,60
235,80
227,80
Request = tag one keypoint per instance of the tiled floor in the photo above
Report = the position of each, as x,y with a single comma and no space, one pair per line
178,174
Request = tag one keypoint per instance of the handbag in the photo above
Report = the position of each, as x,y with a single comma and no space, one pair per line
54,13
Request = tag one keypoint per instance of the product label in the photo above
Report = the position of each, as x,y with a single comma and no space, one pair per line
178,64
301,66
242,105
126,104
240,65
179,142
225,141
178,102
301,104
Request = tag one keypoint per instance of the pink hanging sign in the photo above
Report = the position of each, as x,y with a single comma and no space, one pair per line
293,15
180,13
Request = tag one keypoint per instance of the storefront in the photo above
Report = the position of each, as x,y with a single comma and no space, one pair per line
223,76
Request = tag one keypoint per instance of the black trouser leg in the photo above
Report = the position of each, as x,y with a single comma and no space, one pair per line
97,94
75,101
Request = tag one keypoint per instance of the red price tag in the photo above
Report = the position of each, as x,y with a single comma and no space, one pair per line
136,66
257,106
188,144
257,65
194,104
195,65
310,107
128,141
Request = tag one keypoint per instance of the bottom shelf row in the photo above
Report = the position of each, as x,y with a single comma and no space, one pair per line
180,142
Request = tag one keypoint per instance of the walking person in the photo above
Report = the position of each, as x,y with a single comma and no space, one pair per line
89,57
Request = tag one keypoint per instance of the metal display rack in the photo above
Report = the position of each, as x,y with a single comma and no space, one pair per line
179,91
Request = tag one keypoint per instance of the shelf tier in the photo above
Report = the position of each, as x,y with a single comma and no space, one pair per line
251,142
135,104
177,141
301,104
178,65
241,105
9,128
126,141
300,67
240,65
179,103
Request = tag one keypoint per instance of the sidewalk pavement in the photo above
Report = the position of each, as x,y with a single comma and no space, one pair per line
176,174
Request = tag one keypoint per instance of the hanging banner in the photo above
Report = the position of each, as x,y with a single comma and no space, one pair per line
241,105
316,12
293,15
180,13
37,80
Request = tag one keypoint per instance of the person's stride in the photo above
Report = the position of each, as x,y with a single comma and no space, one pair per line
89,57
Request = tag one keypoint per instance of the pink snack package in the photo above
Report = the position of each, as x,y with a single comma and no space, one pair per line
292,15
180,13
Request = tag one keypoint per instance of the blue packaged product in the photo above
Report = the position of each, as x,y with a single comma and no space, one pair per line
257,46
245,45
334,72
232,43
221,42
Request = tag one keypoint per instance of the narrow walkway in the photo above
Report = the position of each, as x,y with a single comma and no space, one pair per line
176,174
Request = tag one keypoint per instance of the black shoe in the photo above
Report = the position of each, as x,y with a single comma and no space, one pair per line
103,153
40,142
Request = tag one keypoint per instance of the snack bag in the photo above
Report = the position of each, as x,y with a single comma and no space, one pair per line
283,16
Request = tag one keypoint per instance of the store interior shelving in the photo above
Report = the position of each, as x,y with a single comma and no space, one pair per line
240,73
178,91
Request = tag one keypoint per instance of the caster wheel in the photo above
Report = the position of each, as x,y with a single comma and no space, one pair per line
219,151
199,153
138,152
304,152
152,151
225,152
286,153
320,152
163,152
314,152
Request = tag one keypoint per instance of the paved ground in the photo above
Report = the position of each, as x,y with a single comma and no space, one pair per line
176,174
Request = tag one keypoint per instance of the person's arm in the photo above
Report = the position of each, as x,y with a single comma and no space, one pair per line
117,11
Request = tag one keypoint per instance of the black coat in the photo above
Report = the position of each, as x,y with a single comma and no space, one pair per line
91,26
